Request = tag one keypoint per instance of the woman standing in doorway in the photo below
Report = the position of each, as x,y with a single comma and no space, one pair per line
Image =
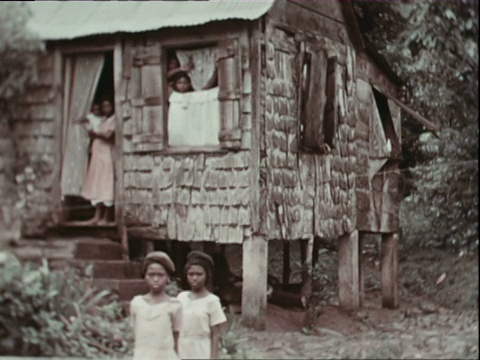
100,181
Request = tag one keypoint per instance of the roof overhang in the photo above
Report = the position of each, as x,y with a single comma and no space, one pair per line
64,20
422,120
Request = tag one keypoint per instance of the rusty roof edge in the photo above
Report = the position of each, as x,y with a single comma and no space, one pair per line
247,10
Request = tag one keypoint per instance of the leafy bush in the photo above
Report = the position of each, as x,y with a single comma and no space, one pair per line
443,209
56,313
232,346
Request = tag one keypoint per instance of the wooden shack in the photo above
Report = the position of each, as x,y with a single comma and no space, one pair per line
308,135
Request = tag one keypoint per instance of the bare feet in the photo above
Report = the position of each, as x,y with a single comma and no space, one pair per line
93,221
102,222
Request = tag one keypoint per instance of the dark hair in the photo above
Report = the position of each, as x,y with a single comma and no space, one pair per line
160,258
203,260
180,75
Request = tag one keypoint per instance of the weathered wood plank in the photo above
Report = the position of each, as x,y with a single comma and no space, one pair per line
119,186
389,269
254,291
348,266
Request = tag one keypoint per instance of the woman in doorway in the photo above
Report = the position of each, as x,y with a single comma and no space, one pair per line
100,181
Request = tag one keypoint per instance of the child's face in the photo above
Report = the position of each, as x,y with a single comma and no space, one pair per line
96,109
182,85
107,108
196,277
156,277
173,64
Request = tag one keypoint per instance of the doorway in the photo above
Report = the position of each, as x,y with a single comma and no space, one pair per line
88,79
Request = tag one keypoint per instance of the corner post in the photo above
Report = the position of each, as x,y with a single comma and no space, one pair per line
254,292
389,270
348,271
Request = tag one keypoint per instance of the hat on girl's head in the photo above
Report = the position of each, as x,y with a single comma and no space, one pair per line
158,257
200,255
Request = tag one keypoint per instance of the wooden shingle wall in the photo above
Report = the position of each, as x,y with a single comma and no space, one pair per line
378,179
189,196
34,129
308,194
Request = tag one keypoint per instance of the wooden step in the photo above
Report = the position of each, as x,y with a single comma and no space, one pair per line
74,229
97,249
110,269
126,289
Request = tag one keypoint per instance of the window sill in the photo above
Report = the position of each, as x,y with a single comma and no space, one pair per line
194,150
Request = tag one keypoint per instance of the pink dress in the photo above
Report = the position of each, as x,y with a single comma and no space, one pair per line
198,316
100,180
153,327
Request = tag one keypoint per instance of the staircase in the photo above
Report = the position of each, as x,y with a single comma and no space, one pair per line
95,256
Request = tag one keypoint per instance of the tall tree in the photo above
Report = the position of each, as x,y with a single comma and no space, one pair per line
433,46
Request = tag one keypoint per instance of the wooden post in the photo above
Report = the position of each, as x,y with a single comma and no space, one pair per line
286,263
361,273
389,270
254,292
124,243
306,291
316,250
303,257
348,269
58,212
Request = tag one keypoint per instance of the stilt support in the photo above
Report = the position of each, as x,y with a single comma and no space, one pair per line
286,263
389,270
348,271
254,292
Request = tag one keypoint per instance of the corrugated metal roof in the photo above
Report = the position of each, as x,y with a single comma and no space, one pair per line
57,20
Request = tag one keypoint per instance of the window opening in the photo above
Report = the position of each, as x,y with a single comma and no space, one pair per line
393,145
305,91
193,97
329,122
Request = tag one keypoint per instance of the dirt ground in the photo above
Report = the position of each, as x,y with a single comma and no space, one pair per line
437,317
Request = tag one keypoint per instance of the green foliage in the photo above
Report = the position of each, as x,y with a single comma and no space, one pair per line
443,209
18,51
434,46
233,346
55,313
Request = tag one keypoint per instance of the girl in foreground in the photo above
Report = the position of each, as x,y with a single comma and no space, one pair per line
155,316
202,312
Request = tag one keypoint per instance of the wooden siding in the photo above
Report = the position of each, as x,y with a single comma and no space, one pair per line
308,194
189,196
378,178
36,142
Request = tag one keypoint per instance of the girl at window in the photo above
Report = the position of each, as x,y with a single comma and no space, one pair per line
202,312
181,82
99,182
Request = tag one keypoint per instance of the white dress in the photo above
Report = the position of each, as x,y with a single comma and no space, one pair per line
198,316
153,326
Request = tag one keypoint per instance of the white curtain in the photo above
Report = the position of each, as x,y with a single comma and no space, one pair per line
203,61
83,73
194,118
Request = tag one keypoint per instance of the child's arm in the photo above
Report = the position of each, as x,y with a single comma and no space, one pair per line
214,341
187,68
108,132
175,341
105,135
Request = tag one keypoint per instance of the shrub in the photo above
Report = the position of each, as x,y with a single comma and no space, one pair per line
56,313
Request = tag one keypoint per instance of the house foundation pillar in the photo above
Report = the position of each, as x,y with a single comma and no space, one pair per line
254,291
349,271
389,269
